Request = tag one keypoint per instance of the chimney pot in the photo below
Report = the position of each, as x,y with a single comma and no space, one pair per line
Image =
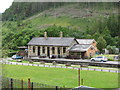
45,35
61,34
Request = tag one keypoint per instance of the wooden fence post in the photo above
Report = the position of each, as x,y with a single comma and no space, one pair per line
78,76
11,85
82,81
22,84
56,88
32,86
28,83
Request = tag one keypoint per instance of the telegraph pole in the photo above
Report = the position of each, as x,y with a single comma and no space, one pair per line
78,76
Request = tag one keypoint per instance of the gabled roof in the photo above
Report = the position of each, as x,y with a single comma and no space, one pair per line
80,48
85,41
51,41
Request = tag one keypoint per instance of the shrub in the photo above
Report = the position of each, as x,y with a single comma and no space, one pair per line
30,61
68,64
42,62
110,59
54,63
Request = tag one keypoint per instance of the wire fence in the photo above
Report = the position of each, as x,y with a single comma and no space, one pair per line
16,83
57,66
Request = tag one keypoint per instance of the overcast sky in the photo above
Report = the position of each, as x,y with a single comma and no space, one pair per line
4,4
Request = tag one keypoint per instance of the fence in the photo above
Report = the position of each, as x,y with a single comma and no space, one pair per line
82,68
15,83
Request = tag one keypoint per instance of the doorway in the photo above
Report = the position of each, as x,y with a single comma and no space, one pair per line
82,55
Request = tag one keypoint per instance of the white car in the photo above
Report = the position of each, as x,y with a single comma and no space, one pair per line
100,59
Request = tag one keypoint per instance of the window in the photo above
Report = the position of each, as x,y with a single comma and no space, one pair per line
33,49
71,53
92,48
78,53
64,50
43,49
30,47
53,50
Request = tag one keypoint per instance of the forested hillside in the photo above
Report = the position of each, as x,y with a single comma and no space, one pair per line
23,21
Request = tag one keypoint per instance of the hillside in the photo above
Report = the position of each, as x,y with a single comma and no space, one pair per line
79,20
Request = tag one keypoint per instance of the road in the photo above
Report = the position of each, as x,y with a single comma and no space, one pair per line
61,59
75,60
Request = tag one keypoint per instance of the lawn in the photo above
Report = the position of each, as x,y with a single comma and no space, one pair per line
62,76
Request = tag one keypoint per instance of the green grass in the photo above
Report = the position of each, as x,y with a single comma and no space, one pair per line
62,77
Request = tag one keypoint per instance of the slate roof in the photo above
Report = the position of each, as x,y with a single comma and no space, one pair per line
80,48
85,41
51,41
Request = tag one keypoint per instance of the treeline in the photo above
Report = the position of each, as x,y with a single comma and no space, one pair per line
106,32
16,32
22,10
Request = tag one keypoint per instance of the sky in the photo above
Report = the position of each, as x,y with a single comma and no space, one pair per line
4,4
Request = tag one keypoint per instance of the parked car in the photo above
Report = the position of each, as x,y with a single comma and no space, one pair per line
16,57
100,59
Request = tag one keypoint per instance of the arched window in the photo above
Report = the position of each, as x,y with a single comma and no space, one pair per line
92,48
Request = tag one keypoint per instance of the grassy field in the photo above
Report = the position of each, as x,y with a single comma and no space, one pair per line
62,77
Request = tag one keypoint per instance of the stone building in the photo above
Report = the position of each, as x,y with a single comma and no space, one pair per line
60,46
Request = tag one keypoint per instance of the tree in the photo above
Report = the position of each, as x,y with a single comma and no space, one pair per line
101,43
112,49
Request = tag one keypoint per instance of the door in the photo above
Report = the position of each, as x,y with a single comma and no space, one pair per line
82,55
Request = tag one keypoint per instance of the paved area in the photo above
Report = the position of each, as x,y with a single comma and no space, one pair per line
76,60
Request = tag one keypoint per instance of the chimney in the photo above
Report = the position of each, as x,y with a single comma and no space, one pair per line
45,35
61,34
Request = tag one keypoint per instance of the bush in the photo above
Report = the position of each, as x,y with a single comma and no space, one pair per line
110,59
42,62
68,64
54,63
30,61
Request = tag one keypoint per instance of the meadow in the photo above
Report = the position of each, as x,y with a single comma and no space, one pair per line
61,76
